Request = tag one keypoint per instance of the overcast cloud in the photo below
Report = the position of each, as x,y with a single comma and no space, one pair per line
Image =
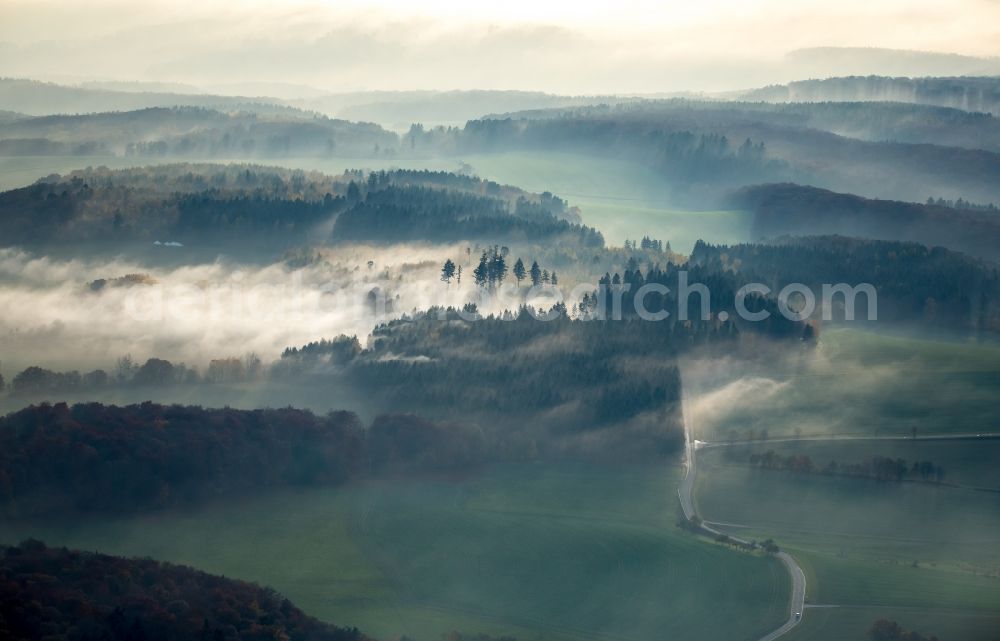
579,47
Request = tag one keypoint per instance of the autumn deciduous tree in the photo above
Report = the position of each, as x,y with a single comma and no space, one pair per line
130,599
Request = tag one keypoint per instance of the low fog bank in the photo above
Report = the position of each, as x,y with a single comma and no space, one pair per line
853,382
84,313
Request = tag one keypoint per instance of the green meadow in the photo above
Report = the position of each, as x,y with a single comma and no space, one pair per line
938,527
534,551
924,554
623,199
850,623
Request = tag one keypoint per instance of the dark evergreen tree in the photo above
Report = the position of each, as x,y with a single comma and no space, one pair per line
353,192
482,272
448,271
519,271
498,267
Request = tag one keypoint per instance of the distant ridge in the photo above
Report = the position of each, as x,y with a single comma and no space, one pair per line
36,98
796,210
969,93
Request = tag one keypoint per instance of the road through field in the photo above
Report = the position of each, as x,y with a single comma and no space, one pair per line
686,495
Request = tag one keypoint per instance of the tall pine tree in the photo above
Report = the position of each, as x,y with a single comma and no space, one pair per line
448,271
519,271
482,272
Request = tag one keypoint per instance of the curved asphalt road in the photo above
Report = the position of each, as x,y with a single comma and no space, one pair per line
686,495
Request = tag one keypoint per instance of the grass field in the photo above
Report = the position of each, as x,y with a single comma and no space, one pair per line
859,519
622,199
853,624
538,552
925,556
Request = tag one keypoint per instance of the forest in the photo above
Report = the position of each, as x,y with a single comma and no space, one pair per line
703,150
864,120
195,132
234,203
108,459
609,392
399,214
796,210
916,284
113,459
56,593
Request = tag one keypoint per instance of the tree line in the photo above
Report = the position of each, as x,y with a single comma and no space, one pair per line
961,203
492,270
880,468
104,458
696,525
154,372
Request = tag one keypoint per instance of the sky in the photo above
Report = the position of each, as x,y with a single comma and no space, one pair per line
583,46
